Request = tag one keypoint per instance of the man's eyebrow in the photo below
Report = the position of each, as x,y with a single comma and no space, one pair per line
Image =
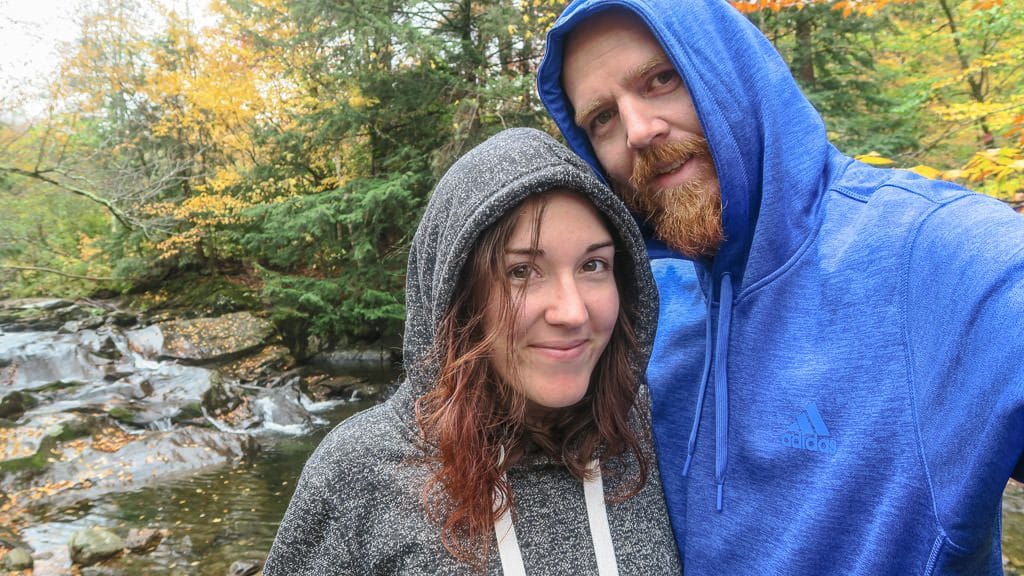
587,110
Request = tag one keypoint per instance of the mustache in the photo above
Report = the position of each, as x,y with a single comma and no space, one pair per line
645,167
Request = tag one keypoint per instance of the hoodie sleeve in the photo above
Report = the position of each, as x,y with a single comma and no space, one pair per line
965,330
311,539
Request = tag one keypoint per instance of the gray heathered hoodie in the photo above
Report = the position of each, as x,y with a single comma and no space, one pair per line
358,508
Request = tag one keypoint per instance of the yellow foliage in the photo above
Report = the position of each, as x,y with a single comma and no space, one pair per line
927,171
87,249
847,7
358,101
996,171
875,159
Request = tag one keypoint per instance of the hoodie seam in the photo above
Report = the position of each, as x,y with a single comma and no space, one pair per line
904,295
798,255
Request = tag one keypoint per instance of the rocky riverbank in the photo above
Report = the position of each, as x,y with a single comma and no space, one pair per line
95,400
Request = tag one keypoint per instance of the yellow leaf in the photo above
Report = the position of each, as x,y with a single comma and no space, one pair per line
927,171
874,159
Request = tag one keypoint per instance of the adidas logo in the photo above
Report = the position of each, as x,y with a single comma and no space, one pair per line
808,432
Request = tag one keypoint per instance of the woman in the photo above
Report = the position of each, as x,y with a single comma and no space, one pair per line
513,446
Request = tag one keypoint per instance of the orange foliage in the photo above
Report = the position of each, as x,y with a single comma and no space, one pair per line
848,7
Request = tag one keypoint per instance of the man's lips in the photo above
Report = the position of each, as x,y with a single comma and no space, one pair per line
670,168
676,173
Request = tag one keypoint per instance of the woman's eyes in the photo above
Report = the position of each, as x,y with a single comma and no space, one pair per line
523,272
595,265
519,272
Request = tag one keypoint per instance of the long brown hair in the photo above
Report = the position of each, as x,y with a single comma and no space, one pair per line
477,421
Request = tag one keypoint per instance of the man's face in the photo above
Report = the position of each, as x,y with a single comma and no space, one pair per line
634,107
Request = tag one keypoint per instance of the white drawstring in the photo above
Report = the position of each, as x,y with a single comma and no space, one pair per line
600,532
597,515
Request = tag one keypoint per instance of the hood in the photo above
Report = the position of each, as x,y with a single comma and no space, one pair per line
768,143
478,190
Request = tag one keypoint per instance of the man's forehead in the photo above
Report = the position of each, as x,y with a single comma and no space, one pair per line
603,36
612,21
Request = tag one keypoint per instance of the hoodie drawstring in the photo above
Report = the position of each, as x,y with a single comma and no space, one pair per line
722,385
692,444
597,517
721,348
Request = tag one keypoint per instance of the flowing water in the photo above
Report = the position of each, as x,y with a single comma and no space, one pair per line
212,519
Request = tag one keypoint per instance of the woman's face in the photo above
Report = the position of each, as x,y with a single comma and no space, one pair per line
568,301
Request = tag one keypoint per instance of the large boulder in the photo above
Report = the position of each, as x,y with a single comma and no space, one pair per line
214,339
93,545
15,560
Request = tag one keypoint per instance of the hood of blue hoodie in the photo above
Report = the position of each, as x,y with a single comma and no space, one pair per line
767,141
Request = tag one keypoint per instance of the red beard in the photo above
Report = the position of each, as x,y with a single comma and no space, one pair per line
687,217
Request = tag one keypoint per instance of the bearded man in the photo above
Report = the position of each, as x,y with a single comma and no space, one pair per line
837,381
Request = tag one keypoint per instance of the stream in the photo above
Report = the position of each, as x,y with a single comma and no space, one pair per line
213,519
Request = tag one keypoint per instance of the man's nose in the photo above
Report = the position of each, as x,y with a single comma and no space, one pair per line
643,126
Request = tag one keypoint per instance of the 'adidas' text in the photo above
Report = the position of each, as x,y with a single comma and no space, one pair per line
812,443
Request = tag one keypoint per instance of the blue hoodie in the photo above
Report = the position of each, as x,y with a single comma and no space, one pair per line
841,389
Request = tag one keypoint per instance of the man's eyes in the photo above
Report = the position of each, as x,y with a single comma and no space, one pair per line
664,77
603,118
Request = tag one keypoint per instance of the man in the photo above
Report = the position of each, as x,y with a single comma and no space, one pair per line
838,381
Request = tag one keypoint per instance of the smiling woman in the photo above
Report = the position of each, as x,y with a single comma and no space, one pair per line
519,442
559,263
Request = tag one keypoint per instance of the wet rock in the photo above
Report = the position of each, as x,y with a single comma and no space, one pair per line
92,545
281,409
100,570
42,314
341,387
211,339
122,318
267,362
28,444
112,461
16,559
90,323
39,359
147,342
13,405
141,540
241,417
244,567
221,397
102,344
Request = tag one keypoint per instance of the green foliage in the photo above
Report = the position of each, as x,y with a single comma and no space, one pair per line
45,230
833,58
192,294
335,260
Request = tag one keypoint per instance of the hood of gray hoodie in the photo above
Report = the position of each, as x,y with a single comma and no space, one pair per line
476,192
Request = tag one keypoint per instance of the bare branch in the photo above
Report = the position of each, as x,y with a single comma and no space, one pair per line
58,272
42,177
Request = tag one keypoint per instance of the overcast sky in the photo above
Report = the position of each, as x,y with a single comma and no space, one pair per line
30,34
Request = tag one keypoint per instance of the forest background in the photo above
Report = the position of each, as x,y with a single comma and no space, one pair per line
277,155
